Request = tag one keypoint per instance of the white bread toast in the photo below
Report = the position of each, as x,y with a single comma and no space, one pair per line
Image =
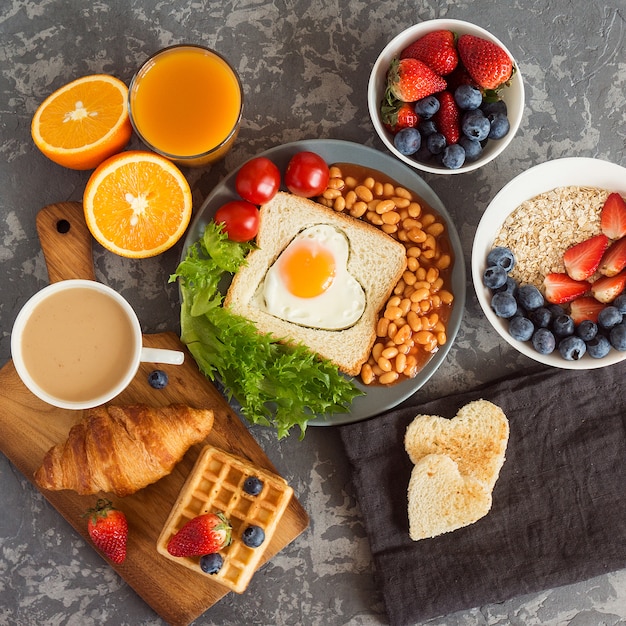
457,463
475,439
441,499
375,260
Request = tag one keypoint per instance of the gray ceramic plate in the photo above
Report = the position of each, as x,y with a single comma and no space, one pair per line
376,399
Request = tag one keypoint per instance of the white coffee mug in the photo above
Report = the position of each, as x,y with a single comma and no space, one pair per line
77,344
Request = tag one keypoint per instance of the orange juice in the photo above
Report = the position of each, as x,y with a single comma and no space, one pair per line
185,103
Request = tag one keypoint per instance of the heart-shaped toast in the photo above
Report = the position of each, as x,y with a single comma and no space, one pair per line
441,499
457,462
475,439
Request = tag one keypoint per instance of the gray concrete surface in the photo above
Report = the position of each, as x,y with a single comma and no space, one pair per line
305,67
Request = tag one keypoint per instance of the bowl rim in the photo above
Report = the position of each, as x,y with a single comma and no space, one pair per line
373,96
579,171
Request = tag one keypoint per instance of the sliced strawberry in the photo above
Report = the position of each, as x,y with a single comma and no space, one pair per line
560,288
585,308
583,259
614,259
613,217
607,288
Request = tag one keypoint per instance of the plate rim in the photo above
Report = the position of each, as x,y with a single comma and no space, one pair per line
225,190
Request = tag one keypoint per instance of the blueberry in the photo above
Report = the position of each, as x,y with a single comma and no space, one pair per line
494,277
253,485
504,305
475,126
499,125
495,106
158,379
467,97
501,255
453,157
563,326
427,127
427,107
509,287
521,328
407,141
543,341
620,303
598,347
530,297
556,310
541,317
473,149
617,337
587,330
436,143
609,317
211,563
253,536
572,348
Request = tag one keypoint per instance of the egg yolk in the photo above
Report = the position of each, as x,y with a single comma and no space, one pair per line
308,269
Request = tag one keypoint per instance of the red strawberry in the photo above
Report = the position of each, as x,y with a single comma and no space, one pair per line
560,288
613,217
398,116
460,76
204,534
410,80
607,288
108,529
614,259
436,49
448,118
585,308
488,64
583,259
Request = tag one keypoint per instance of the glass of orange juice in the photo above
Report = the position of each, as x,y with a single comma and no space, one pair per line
185,103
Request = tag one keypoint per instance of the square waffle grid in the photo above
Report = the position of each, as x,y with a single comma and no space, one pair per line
216,485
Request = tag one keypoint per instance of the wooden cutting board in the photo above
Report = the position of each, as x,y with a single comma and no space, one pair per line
29,427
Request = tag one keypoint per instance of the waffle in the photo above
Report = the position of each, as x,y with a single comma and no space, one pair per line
215,485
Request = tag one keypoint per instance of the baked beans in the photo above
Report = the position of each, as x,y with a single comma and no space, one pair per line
412,325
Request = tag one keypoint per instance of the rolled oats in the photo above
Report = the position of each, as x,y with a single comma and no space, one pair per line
541,229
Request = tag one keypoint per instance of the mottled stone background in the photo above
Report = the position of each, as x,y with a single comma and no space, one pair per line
304,65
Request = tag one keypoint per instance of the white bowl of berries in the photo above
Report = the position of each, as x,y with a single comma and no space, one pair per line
446,96
549,263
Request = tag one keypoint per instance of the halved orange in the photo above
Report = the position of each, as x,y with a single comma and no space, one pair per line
137,204
83,123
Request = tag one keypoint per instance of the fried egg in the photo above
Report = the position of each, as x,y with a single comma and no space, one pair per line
309,283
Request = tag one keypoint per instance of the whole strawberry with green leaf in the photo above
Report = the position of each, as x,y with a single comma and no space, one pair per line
204,534
437,49
397,115
487,63
108,529
410,80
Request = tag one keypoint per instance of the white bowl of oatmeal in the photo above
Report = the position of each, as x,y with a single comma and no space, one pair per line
538,215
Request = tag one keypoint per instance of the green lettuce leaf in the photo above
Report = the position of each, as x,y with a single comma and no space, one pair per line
275,384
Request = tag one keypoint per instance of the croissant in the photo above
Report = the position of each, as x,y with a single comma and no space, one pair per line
121,449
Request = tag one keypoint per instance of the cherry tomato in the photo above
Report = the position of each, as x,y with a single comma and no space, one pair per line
307,174
258,180
240,219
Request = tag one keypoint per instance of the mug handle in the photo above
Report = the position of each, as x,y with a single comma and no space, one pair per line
161,355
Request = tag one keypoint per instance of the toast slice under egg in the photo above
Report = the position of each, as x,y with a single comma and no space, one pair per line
375,260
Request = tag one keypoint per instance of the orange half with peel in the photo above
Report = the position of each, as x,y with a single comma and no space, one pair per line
84,122
137,204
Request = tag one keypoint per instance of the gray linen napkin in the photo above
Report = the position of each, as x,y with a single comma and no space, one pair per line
559,506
